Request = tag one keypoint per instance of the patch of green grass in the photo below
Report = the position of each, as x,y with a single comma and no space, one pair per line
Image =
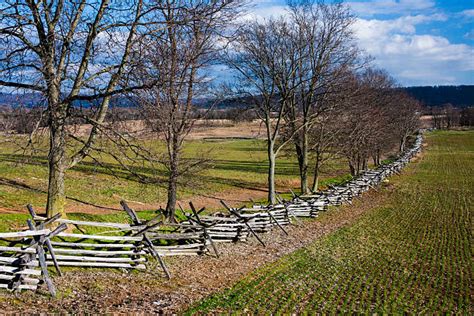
13,222
335,180
412,254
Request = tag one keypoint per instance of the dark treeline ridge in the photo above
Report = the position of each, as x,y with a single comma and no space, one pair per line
461,96
433,96
35,99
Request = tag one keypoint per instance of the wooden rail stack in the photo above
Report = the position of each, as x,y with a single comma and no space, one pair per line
225,229
267,217
344,193
218,228
109,248
263,218
170,239
185,241
304,208
23,263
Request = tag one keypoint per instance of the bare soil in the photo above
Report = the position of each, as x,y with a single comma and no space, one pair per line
223,129
100,291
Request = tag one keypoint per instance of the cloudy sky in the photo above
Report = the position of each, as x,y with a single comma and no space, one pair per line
420,42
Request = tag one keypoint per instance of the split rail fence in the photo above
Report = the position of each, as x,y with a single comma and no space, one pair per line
55,242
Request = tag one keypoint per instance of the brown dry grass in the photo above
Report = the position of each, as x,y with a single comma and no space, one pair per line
202,129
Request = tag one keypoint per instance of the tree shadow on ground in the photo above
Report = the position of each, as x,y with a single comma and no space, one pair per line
117,171
23,186
148,175
283,168
140,174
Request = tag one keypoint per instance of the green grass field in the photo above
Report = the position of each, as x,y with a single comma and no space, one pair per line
235,164
412,254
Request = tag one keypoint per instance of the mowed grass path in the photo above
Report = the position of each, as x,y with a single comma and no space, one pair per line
411,254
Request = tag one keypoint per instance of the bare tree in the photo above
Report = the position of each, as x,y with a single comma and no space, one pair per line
325,50
377,119
70,52
437,117
366,120
287,64
262,57
324,141
20,119
176,57
451,115
466,117
405,118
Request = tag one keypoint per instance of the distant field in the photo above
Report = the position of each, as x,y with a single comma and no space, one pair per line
412,254
237,172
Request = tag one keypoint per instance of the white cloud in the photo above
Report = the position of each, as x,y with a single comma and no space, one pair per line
410,57
397,45
468,13
391,6
264,9
469,35
372,29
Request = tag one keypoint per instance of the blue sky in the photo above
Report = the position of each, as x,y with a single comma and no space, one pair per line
419,42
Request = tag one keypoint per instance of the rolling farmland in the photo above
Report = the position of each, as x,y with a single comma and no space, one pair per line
413,253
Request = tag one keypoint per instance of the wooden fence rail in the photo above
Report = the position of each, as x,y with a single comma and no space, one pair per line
23,264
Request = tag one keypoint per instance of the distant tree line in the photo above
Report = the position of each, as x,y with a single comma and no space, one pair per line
461,96
449,117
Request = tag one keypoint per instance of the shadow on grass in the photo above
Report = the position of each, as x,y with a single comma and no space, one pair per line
243,184
283,168
19,185
87,167
148,175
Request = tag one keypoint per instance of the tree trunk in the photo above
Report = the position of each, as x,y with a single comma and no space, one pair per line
172,180
302,155
172,197
402,144
357,172
271,173
56,199
57,166
352,168
316,175
304,169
